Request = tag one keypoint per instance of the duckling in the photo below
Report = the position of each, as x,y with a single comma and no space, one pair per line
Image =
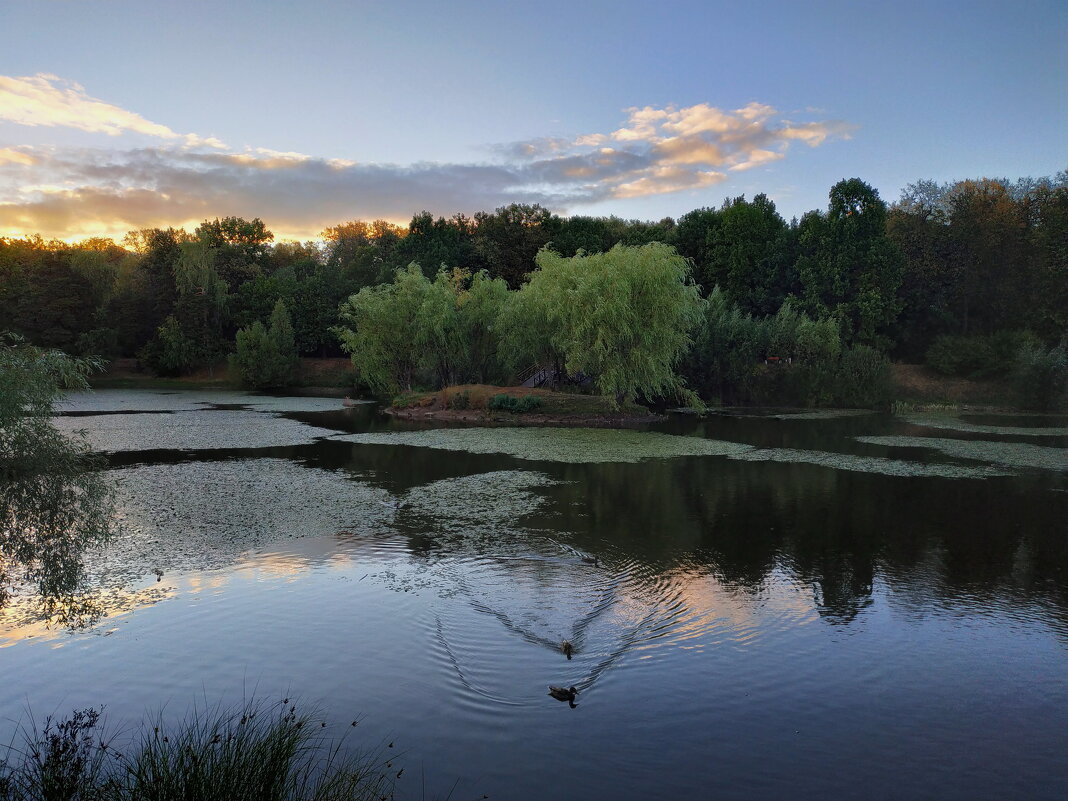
159,574
592,560
567,648
562,694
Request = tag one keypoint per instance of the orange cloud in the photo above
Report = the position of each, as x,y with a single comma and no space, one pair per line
67,192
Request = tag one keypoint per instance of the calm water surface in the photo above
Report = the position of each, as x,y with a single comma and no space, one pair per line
796,614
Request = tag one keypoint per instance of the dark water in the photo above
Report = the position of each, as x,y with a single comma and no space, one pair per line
752,629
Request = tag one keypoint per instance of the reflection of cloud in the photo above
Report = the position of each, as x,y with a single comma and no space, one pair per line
22,619
92,191
48,100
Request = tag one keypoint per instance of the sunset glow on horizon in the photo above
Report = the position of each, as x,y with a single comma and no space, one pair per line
92,148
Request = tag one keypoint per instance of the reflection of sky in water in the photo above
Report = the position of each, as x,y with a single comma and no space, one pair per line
771,628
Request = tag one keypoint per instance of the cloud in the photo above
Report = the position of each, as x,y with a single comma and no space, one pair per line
48,100
9,155
69,192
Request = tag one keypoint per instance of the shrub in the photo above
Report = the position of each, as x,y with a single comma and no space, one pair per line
1041,377
460,400
862,378
507,403
978,356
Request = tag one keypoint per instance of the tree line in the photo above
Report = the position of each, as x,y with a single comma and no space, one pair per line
947,266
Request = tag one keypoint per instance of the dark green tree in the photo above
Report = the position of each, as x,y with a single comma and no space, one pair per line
848,267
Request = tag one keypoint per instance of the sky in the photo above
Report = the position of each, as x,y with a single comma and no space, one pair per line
119,115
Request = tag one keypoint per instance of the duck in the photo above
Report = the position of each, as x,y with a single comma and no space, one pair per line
564,694
567,648
592,560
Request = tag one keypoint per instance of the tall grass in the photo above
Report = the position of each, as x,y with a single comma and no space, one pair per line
253,752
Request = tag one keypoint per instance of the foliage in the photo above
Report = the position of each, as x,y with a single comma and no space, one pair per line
847,267
53,502
171,352
785,358
967,258
441,331
1041,376
520,405
623,317
266,357
978,356
862,378
249,752
381,331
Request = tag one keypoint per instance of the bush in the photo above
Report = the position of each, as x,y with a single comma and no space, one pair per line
507,403
267,357
461,400
170,352
98,342
862,378
979,356
1041,377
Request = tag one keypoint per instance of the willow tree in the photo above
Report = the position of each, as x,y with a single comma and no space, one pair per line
443,331
623,317
53,501
379,330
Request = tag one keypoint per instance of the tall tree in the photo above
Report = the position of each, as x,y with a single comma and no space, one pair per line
848,267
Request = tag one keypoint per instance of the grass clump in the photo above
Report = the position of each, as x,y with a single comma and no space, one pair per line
246,753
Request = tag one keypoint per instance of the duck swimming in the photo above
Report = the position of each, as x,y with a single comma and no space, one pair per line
564,694
567,648
592,560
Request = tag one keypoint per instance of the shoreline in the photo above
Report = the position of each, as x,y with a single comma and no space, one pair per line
534,419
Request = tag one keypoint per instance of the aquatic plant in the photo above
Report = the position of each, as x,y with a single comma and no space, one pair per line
480,502
246,753
868,464
573,445
202,515
191,430
1012,454
956,424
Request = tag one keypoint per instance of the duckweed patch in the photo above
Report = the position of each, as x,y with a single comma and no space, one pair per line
572,445
190,430
1011,454
868,464
102,401
956,424
822,414
481,502
203,515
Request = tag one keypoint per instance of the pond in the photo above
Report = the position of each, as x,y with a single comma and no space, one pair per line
761,604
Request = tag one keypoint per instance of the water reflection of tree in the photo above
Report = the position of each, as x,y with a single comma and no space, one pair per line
53,501
836,531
